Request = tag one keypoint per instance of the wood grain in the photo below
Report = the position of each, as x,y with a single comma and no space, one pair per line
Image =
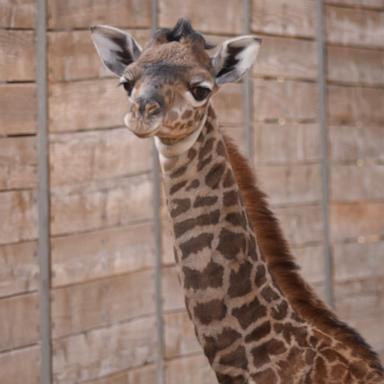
17,13
18,108
84,13
17,55
18,268
18,168
19,321
284,17
376,4
80,157
105,252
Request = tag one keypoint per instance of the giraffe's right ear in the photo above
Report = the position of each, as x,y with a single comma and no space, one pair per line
116,48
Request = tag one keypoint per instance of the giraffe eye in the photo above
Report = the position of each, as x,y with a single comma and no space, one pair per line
128,86
200,93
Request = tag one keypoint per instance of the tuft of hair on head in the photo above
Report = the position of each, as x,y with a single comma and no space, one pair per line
182,30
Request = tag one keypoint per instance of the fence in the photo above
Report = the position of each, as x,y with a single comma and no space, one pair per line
83,304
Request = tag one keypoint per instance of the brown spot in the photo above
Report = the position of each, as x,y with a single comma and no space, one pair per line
357,370
193,184
181,206
262,352
210,276
203,163
211,112
213,177
213,310
280,311
252,251
220,150
223,340
204,201
278,327
267,377
310,356
330,355
236,219
209,127
231,243
192,154
269,294
229,180
179,172
249,313
184,226
196,244
186,114
313,341
260,278
259,332
338,371
320,371
236,358
177,187
206,149
230,198
226,379
240,281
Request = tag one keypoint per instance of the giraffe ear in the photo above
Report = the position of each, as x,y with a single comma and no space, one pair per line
234,58
116,48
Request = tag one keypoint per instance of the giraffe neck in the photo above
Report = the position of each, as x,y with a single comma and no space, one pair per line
229,292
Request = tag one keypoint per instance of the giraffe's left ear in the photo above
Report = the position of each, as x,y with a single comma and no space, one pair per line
234,58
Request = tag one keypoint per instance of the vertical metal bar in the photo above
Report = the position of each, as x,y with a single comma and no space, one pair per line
156,191
43,193
247,88
323,121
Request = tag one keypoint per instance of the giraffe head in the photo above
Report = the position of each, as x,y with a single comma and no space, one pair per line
170,82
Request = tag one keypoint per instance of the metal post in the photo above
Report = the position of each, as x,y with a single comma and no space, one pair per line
43,194
156,191
323,121
247,88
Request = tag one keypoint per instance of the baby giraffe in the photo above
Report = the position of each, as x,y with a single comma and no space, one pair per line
255,317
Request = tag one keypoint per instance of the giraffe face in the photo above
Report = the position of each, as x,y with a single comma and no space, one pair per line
168,90
169,83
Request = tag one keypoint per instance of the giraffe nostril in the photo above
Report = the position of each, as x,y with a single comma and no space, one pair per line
152,108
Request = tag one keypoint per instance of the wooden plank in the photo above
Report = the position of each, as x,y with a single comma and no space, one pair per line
103,253
301,224
18,216
13,99
72,56
179,371
358,260
311,261
286,57
141,375
363,182
78,308
286,143
290,184
20,366
172,290
180,338
376,4
228,105
17,14
360,27
353,220
18,268
17,163
95,98
284,17
17,55
349,143
221,16
104,351
284,100
84,13
19,321
103,204
99,155
355,106
355,65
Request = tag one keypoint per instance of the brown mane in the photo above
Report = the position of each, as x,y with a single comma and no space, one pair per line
282,265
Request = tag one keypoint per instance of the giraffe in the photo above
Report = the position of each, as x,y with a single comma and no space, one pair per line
255,317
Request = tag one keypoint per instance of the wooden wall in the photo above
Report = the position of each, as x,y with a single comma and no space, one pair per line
102,224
